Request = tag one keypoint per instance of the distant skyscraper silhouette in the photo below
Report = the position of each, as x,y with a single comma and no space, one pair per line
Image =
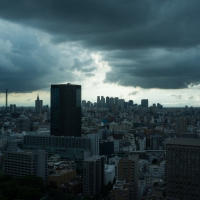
144,103
116,100
107,100
38,105
12,108
66,110
130,102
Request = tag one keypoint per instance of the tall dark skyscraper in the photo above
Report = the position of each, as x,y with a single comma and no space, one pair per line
66,110
144,103
38,105
130,102
107,100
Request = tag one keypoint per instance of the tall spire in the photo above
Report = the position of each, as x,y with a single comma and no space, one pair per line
38,97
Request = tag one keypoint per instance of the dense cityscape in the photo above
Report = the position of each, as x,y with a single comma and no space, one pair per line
109,149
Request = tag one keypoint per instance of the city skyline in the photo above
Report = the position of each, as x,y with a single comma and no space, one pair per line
134,50
16,99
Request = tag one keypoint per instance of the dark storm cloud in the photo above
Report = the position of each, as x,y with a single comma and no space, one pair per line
133,93
83,65
156,68
25,67
150,44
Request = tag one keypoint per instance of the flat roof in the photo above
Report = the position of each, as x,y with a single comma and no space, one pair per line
184,142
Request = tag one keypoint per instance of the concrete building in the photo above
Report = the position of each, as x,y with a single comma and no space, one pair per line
3,143
121,191
94,143
114,161
156,142
69,148
93,175
83,103
25,162
109,173
61,176
128,171
183,169
180,126
23,124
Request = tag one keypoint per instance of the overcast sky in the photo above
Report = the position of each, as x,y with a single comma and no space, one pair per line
130,49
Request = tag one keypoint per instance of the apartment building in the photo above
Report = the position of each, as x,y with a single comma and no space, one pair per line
24,162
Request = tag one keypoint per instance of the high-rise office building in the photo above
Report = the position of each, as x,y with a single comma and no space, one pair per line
83,103
107,100
102,102
38,105
121,103
144,103
183,168
111,100
130,102
93,175
23,124
98,102
66,110
116,100
98,99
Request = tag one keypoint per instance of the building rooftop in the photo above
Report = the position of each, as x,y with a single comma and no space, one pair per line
93,158
184,142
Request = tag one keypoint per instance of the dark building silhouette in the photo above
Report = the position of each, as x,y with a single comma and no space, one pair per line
183,168
180,126
106,148
23,124
38,105
12,108
93,175
66,110
144,103
130,102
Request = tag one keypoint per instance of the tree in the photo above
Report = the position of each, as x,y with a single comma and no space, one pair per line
32,181
30,193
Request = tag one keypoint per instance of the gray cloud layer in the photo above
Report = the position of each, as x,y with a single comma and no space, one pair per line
150,44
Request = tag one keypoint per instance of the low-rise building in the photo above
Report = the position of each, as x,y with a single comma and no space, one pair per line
109,173
61,176
121,191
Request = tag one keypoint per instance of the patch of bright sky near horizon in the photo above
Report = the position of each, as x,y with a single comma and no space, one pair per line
70,62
